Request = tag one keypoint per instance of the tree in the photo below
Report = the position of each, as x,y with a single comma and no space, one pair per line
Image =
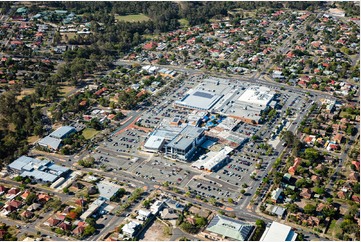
320,190
309,209
260,223
65,190
213,201
31,198
146,203
230,200
312,154
18,178
89,230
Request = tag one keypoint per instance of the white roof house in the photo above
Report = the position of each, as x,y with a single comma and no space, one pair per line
130,228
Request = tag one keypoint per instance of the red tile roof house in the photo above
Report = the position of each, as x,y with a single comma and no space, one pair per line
150,45
13,191
2,189
52,222
306,193
26,214
43,198
65,226
338,138
354,176
292,169
2,233
341,195
355,198
13,205
80,229
356,164
25,194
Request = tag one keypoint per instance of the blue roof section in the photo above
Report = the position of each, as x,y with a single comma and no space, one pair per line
51,142
40,175
57,169
62,132
44,170
20,162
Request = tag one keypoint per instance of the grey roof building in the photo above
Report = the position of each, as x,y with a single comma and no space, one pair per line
53,140
50,142
183,145
63,132
197,99
40,170
228,228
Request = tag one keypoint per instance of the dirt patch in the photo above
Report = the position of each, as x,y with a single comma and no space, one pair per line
156,232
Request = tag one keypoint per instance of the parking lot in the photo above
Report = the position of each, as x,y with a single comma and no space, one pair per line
115,162
211,188
160,171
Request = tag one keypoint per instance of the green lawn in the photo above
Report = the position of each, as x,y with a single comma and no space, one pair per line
132,18
344,114
183,22
89,133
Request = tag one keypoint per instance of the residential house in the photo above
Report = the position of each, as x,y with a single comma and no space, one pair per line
341,194
79,230
276,195
26,214
355,163
131,228
25,194
52,221
13,205
293,168
33,207
66,226
2,189
306,193
43,198
168,214
338,138
354,176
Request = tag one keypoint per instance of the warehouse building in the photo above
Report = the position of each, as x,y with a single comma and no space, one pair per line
38,170
53,140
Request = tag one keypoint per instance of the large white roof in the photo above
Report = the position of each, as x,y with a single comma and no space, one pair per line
279,232
257,95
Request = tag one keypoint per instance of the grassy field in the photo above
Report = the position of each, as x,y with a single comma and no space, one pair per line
89,133
32,139
70,36
64,90
334,228
183,22
25,92
344,114
132,18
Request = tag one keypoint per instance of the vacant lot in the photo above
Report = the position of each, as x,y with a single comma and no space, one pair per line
65,90
156,232
25,92
89,133
132,18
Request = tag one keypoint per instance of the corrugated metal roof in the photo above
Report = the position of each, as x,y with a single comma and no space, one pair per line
51,142
40,175
230,228
62,132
